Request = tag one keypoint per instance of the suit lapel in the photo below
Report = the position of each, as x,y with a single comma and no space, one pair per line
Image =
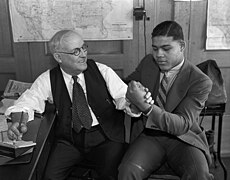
179,88
150,78
150,84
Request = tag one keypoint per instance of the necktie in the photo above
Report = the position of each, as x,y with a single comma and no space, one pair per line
80,111
161,98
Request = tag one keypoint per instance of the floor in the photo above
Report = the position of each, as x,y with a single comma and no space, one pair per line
217,172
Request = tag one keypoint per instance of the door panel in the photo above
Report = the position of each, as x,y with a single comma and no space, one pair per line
14,58
109,52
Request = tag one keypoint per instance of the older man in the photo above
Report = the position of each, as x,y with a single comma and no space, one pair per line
92,131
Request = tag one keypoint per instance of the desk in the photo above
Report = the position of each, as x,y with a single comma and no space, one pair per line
217,110
31,170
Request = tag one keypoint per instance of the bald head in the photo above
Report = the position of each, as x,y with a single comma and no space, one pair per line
61,39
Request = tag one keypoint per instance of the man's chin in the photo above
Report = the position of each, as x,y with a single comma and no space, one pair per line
84,66
164,68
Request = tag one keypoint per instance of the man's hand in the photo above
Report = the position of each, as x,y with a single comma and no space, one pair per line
18,127
138,95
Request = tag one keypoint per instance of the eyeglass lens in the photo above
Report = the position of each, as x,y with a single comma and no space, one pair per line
77,51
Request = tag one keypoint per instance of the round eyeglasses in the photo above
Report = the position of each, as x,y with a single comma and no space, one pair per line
77,51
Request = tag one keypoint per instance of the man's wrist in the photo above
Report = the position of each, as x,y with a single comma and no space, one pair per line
148,111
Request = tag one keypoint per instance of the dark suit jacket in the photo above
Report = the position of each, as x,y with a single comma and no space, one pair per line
185,101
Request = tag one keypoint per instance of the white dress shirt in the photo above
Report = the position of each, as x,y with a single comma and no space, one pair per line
33,99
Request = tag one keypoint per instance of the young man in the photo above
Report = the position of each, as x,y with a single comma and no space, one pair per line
170,130
98,138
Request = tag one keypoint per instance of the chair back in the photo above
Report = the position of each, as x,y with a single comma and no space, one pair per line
218,93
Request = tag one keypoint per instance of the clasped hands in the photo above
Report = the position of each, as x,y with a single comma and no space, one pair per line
139,96
18,126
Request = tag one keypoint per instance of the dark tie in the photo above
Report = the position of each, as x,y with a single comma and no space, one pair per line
161,98
80,110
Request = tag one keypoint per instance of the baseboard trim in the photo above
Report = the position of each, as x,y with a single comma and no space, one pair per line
226,154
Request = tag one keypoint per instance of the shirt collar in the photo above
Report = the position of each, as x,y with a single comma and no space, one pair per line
69,78
175,69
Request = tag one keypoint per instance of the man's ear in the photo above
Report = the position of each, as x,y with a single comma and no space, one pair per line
57,57
182,45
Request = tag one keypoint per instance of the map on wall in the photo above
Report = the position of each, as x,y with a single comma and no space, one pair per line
218,25
38,20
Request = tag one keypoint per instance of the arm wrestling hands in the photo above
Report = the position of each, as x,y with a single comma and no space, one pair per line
139,96
18,126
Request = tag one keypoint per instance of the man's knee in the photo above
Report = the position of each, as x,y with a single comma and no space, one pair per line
198,174
131,171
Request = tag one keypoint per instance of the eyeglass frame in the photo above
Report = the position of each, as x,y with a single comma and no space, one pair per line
84,48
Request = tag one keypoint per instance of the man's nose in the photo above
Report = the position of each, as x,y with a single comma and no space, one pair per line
82,52
159,53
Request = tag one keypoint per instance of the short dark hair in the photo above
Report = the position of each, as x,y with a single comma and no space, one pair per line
169,28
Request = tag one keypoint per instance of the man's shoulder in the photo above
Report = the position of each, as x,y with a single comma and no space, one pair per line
148,60
197,74
45,74
148,57
195,70
93,63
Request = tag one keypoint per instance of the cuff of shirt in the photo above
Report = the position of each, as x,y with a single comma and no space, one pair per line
148,111
20,109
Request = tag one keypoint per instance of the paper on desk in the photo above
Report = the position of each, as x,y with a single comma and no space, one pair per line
15,88
18,144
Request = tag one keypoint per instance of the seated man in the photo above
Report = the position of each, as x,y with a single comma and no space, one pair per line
169,131
89,98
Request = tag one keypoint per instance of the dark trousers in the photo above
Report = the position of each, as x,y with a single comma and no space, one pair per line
153,148
90,146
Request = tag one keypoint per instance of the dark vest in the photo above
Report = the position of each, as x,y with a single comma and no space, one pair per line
99,99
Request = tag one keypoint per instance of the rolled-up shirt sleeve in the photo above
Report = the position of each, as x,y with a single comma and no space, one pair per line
33,99
117,89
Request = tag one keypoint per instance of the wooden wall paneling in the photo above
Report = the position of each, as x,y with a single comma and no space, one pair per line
145,29
14,58
182,16
225,148
225,73
111,53
131,59
165,10
5,36
190,14
7,69
157,11
222,57
194,23
134,48
192,17
22,62
197,31
40,58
